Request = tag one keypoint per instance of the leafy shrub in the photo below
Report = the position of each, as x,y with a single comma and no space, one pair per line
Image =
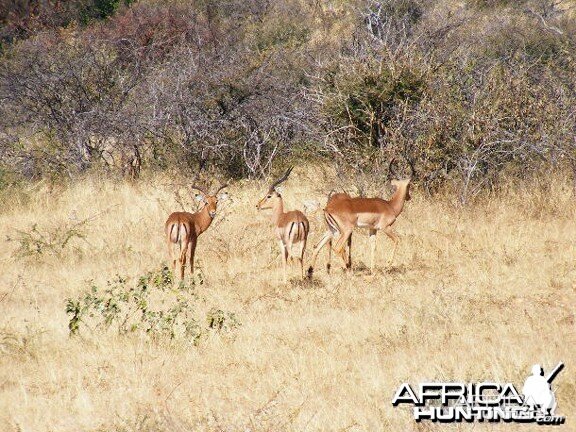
361,99
105,8
50,241
150,306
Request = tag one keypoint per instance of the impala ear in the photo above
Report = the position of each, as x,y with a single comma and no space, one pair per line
199,197
223,196
279,189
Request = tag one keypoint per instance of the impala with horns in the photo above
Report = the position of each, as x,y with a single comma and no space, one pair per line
183,229
344,213
291,227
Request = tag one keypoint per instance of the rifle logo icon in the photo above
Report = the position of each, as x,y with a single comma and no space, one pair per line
537,390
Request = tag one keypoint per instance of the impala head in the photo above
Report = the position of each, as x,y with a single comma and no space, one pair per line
210,201
400,184
273,195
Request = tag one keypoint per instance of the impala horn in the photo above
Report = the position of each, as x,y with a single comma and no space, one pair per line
281,179
198,188
220,188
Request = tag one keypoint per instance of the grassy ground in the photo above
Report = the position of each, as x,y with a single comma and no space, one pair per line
480,293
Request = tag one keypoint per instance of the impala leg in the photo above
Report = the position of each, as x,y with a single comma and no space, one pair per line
183,252
191,251
290,249
340,247
301,258
394,237
343,256
329,263
372,249
327,237
289,253
349,263
284,252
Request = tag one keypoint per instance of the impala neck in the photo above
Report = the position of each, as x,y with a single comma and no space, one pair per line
204,219
277,210
398,199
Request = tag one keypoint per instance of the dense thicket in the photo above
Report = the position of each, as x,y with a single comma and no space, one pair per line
461,92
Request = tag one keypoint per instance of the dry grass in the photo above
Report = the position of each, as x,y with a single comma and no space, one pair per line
474,294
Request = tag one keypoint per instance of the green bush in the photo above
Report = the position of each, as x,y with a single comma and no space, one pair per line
360,99
149,306
53,241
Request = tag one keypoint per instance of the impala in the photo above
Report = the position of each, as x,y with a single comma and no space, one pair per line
291,227
344,213
183,229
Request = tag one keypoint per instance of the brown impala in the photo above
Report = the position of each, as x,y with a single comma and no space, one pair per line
291,227
183,229
343,213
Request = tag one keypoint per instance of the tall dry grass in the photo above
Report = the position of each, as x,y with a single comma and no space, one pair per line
476,293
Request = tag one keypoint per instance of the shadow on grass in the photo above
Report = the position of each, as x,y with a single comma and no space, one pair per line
306,283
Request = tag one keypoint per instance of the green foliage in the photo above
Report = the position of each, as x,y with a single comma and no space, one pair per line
105,8
150,306
102,9
53,241
218,320
361,99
